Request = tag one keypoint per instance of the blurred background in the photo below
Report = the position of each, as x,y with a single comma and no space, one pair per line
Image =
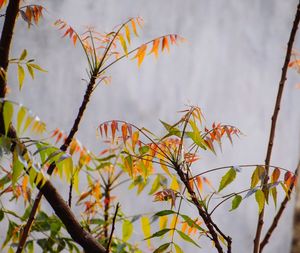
230,66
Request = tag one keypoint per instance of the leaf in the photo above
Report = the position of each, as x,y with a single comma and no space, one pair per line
124,132
35,66
23,55
8,111
174,184
140,55
275,175
123,44
165,44
274,195
127,229
177,248
163,222
159,233
1,215
127,33
164,167
21,76
190,222
236,202
162,248
21,114
155,47
227,179
134,27
30,70
146,228
260,199
17,168
257,175
164,212
172,130
187,238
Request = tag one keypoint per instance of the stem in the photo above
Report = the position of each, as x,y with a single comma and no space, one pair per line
283,78
112,228
206,218
106,207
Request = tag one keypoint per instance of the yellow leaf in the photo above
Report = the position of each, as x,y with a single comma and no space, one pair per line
173,224
163,222
123,44
174,184
164,167
146,228
127,32
21,76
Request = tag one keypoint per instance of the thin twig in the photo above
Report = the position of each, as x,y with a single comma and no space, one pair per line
112,228
282,81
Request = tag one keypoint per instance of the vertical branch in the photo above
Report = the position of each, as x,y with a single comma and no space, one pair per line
112,228
5,41
274,121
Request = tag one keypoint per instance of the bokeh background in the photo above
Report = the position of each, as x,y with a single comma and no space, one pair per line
230,66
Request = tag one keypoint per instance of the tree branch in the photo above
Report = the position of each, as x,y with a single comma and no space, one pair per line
273,123
112,228
277,217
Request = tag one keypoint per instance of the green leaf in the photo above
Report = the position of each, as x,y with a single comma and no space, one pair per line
1,215
162,248
8,111
191,222
30,247
35,66
236,202
197,139
177,248
21,114
227,179
23,55
127,230
260,199
164,212
187,238
155,186
159,233
21,76
171,129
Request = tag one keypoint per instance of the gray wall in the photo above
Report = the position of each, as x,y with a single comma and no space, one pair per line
230,67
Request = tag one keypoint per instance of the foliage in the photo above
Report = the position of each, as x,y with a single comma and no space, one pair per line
165,167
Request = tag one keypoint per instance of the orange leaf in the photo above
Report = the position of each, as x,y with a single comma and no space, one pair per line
124,132
173,39
74,39
135,137
114,126
275,175
105,129
199,183
127,32
140,55
155,46
165,44
134,27
83,196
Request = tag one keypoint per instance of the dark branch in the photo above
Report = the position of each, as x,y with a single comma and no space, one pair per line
274,121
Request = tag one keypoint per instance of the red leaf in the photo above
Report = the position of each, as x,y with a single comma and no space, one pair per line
114,126
275,175
165,44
